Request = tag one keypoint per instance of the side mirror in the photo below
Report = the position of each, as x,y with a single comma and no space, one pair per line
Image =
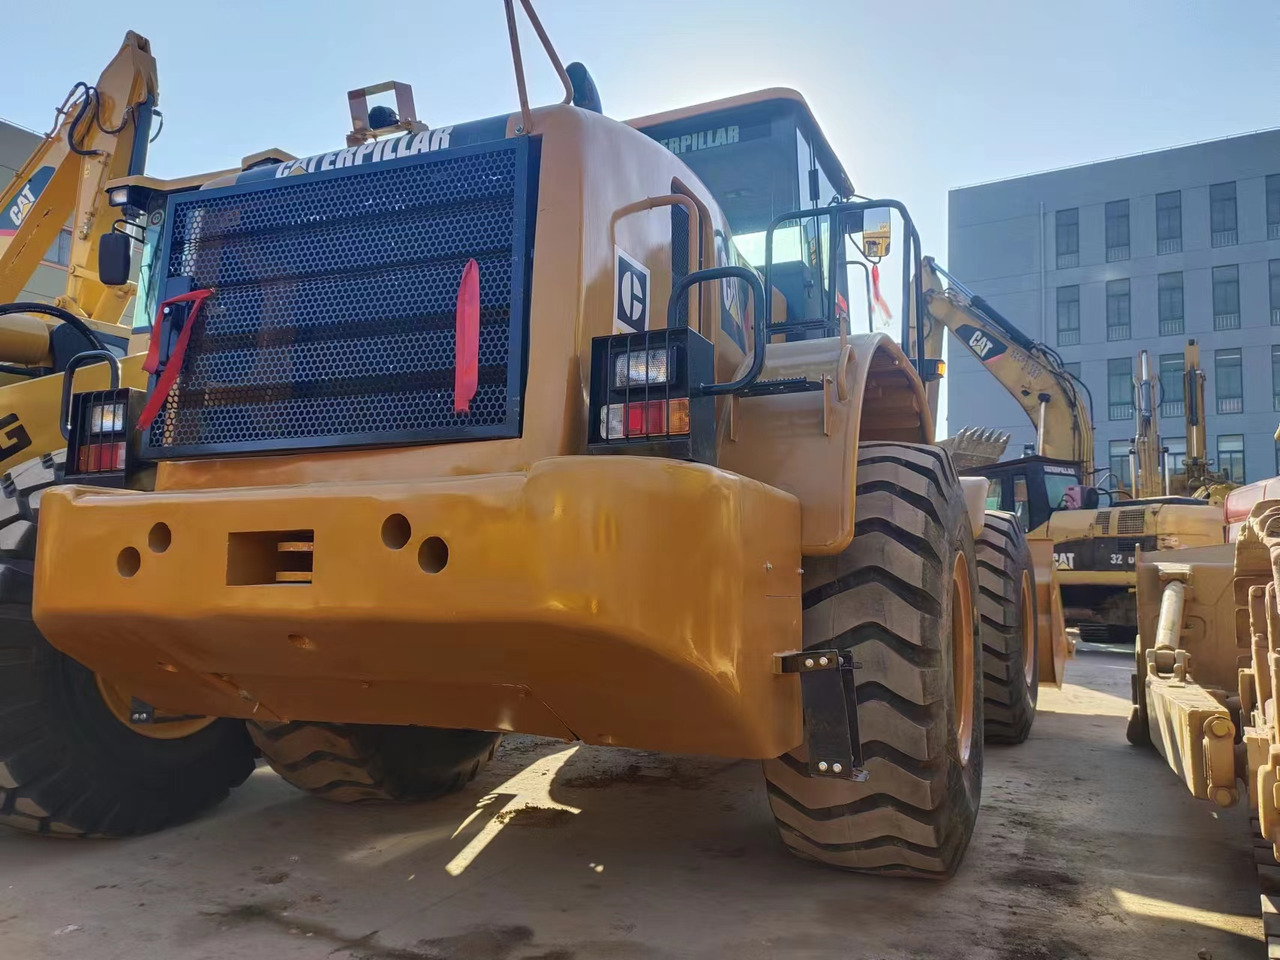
1089,498
877,232
115,251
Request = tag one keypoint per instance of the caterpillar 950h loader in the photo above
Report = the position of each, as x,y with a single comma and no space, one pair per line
77,754
490,427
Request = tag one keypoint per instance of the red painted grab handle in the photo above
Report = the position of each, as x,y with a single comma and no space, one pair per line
174,365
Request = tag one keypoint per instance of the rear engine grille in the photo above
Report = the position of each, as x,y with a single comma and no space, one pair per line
332,321
1104,521
1131,521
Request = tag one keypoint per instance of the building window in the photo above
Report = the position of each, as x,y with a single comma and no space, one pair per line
1119,450
1273,269
1226,298
1222,214
1228,380
1117,230
1169,222
1067,237
1170,304
1175,457
1068,316
1072,368
1172,399
60,251
1273,207
1118,310
1120,388
1275,376
1231,456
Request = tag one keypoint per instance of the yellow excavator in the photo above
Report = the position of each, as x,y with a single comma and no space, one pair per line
1051,492
103,763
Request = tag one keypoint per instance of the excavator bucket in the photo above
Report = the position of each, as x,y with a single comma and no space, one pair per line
975,447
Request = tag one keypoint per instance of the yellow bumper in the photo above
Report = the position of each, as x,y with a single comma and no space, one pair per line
617,600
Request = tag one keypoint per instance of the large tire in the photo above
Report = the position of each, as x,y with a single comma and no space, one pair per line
68,765
1007,607
350,762
902,599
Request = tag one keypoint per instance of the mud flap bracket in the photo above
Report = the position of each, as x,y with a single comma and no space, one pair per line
830,707
142,712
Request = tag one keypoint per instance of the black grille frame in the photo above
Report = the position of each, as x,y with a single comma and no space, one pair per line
337,330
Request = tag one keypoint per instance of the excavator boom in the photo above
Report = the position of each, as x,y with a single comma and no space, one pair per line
100,134
1053,399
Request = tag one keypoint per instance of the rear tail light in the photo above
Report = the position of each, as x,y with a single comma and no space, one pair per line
646,397
103,444
646,418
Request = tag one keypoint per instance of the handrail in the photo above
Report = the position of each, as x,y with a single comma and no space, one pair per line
79,360
526,114
914,257
866,271
758,328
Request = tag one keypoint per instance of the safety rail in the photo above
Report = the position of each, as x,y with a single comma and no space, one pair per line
912,290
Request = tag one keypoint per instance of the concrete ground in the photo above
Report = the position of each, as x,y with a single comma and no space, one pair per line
1085,848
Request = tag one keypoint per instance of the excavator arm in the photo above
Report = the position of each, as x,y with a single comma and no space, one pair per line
1034,375
100,134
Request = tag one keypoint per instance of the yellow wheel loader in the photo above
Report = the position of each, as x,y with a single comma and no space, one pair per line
79,753
494,426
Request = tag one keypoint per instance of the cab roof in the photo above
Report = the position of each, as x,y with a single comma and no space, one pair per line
830,162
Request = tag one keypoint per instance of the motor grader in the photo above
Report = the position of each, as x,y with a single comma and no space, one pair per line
1208,667
78,753
491,427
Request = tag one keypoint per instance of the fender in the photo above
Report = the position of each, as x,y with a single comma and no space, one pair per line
797,442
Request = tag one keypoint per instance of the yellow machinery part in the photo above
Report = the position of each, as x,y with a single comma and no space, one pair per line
1051,633
565,602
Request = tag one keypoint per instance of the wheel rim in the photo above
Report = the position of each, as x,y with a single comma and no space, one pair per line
118,701
1028,630
962,654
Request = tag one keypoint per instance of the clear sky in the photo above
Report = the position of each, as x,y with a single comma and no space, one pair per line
915,97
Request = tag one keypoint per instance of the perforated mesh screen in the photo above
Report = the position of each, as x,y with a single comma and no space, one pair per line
333,313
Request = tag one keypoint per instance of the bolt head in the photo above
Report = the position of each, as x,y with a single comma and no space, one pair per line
823,661
1220,727
808,661
836,768
822,765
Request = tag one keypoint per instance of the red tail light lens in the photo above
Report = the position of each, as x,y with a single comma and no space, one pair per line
646,418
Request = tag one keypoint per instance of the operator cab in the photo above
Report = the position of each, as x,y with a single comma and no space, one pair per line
1032,488
762,155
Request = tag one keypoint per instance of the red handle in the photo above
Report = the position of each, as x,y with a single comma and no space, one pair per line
466,334
174,364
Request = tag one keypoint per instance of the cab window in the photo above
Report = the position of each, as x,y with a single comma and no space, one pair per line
1056,486
995,494
760,161
1021,501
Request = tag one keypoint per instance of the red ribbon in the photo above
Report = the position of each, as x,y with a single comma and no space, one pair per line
466,332
174,365
875,293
